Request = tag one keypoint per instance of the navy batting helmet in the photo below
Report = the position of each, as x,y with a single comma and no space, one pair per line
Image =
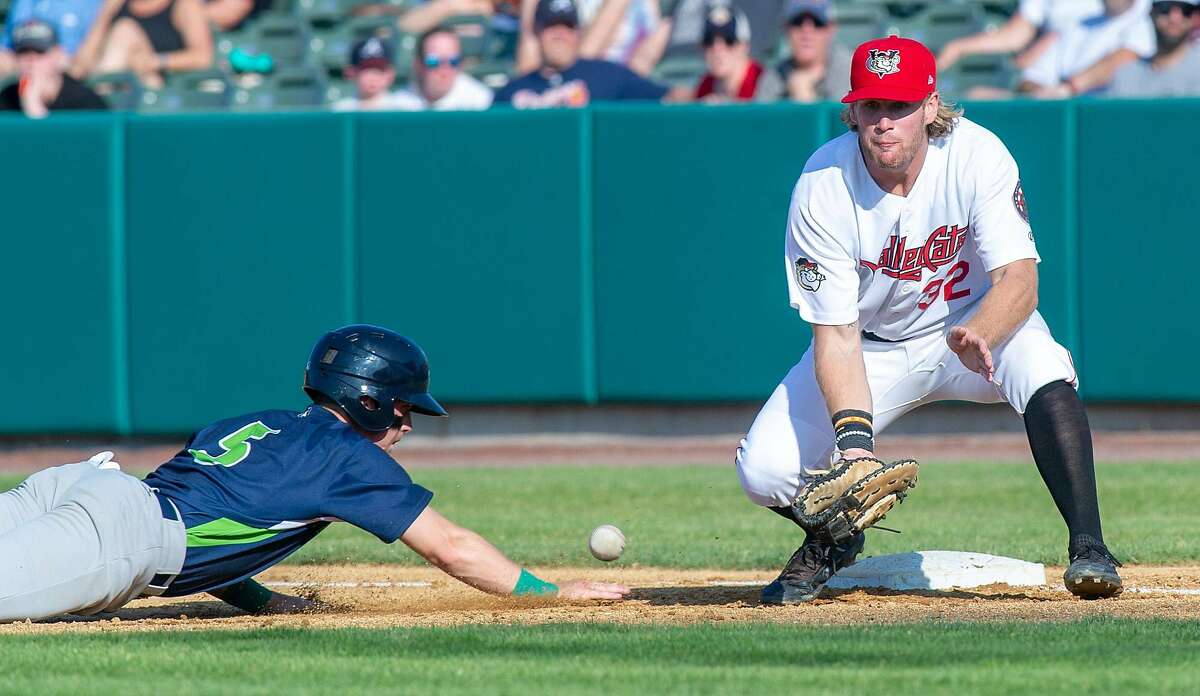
364,360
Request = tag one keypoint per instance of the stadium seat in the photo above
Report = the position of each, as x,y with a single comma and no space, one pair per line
122,91
284,37
290,89
976,71
937,25
203,90
857,23
684,70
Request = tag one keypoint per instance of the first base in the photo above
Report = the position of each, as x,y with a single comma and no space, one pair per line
938,570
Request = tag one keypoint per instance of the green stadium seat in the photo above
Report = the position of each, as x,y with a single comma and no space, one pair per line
857,23
289,89
284,37
122,91
473,34
203,90
939,24
976,71
684,70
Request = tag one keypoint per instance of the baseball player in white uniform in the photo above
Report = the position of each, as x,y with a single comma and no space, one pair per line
910,253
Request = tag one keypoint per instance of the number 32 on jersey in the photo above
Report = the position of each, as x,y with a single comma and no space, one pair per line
946,287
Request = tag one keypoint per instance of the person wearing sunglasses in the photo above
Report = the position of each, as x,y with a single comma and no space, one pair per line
732,74
1174,70
566,79
44,85
816,68
1084,58
439,84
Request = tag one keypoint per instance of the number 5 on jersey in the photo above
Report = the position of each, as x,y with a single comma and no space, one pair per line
235,444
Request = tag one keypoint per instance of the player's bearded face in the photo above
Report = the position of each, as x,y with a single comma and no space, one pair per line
891,133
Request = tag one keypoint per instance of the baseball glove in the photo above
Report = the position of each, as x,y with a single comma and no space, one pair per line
856,494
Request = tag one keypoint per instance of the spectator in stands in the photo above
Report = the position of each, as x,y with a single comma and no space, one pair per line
44,86
373,73
228,15
566,79
681,31
426,15
147,37
817,69
615,30
732,74
70,18
1087,54
1174,70
1028,32
439,83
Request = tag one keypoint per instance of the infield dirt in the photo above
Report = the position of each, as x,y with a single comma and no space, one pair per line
374,596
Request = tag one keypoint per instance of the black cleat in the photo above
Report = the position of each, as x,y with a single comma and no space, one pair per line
809,569
1093,570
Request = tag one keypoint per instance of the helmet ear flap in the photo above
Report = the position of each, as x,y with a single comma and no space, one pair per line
368,403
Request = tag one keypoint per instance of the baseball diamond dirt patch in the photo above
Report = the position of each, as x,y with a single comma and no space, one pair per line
374,596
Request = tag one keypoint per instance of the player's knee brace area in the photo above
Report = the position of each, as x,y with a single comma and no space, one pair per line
1050,397
767,478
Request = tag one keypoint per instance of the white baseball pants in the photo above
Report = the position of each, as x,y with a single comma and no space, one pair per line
793,432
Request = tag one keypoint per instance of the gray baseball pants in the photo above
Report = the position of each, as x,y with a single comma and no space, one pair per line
80,539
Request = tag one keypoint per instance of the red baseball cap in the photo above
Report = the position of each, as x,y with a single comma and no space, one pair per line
895,69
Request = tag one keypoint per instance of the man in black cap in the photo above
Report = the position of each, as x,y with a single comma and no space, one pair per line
816,69
373,73
732,74
44,86
565,79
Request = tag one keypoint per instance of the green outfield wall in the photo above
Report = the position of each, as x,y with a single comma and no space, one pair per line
164,271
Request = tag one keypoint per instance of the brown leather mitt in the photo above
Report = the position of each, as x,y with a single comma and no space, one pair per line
856,494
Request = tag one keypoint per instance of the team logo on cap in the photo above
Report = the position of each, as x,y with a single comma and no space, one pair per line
884,62
719,15
373,48
807,274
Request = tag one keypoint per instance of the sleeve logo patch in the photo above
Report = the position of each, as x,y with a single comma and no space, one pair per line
1019,202
807,274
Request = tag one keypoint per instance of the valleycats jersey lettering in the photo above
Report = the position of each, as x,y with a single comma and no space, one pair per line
908,264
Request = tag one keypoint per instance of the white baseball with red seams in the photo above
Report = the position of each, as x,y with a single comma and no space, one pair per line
907,268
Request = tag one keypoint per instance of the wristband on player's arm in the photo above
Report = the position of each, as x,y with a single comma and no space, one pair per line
852,430
246,595
530,584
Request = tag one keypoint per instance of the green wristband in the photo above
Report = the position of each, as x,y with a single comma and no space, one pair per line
530,584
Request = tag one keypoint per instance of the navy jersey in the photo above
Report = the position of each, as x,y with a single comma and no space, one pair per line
255,488
584,82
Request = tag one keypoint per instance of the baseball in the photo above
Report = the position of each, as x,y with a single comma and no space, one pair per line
606,542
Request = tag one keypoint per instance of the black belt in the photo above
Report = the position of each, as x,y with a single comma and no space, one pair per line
160,582
872,337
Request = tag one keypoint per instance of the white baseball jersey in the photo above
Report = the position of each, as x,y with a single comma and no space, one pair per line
901,265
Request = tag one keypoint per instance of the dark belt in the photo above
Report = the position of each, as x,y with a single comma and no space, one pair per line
872,337
160,582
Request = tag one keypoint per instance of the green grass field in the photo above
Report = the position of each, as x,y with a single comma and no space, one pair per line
1096,656
687,518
